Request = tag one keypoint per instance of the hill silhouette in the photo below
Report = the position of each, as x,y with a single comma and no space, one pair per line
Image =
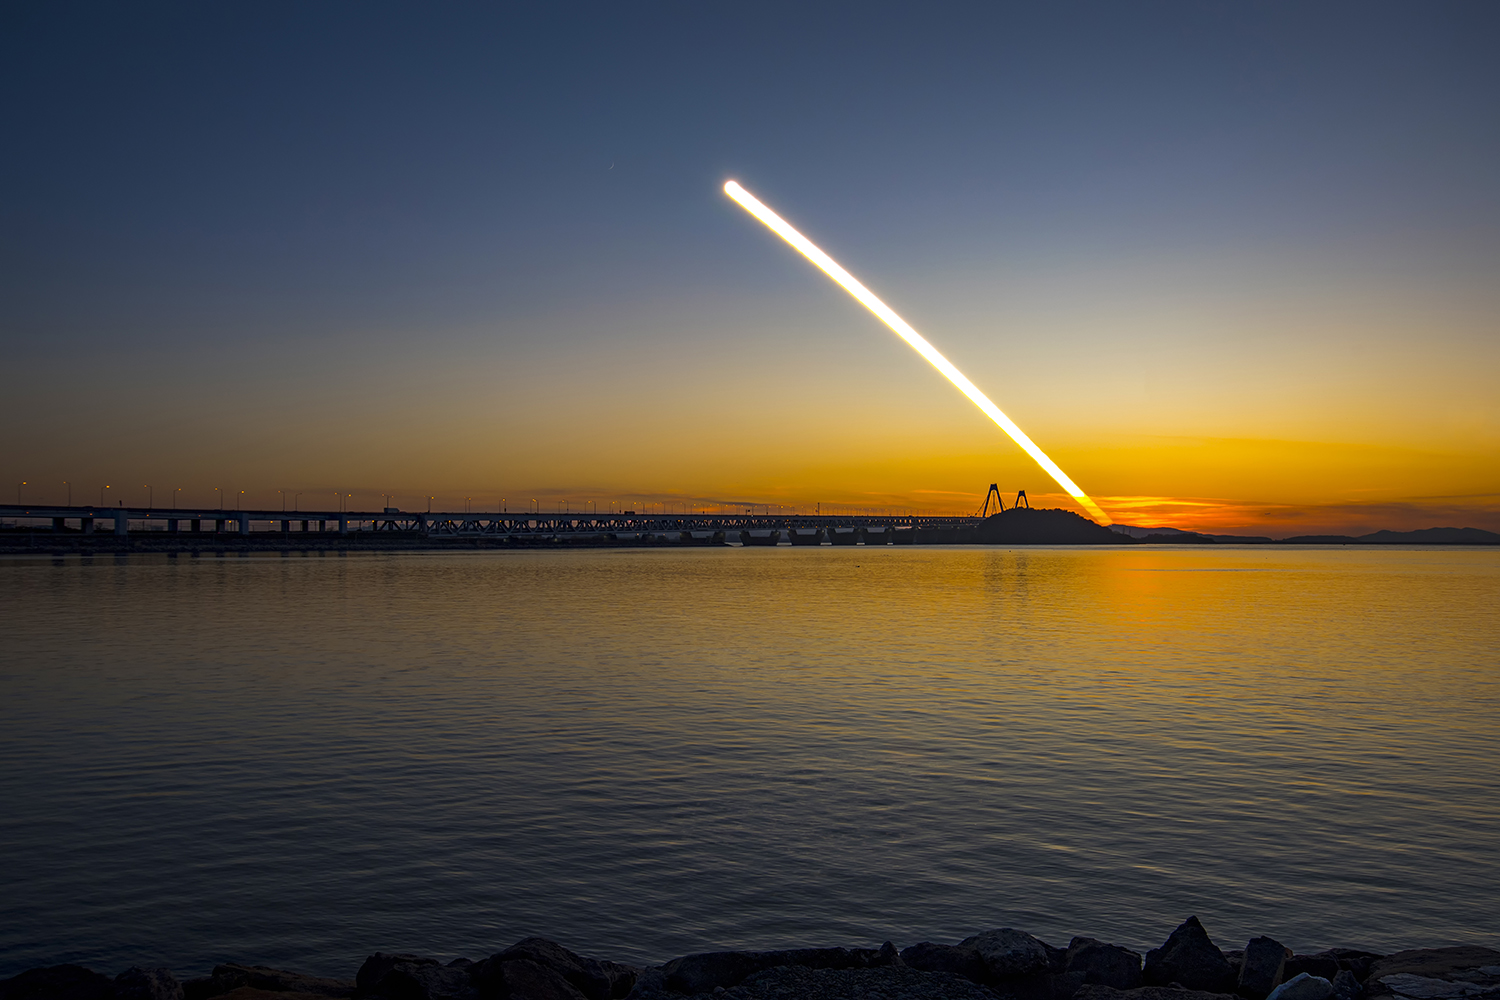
1024,526
1422,536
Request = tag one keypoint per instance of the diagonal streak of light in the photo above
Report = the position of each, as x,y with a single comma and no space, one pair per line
888,316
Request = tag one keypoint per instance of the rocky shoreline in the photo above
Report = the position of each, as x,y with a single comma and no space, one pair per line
1002,964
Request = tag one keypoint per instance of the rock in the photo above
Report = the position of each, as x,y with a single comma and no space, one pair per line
703,972
251,993
1346,986
1007,952
1303,987
1103,964
411,977
797,982
1092,992
594,978
1433,961
1324,965
522,979
232,976
955,959
1189,958
1262,968
136,983
57,982
1427,988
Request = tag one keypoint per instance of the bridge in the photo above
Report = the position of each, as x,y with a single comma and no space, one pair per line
749,528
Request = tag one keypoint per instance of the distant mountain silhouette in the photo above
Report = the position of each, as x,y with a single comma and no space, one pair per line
1423,536
1024,526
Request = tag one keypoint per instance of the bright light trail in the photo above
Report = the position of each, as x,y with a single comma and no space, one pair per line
888,316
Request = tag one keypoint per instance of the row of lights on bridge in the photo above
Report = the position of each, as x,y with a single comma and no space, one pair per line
533,507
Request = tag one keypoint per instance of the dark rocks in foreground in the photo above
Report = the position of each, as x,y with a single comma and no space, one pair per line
1000,964
1191,960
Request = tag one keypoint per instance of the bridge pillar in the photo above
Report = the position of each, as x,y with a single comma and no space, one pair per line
304,527
171,525
877,536
837,537
59,524
286,526
774,538
244,524
197,524
218,525
122,525
86,525
343,525
814,537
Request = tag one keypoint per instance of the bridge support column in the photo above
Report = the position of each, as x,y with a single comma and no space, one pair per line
244,525
304,527
773,538
286,526
218,525
171,525
86,525
877,536
197,524
343,525
122,525
59,524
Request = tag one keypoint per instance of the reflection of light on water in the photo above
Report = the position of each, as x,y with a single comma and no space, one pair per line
888,316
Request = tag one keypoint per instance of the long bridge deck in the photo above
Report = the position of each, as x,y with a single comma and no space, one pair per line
750,528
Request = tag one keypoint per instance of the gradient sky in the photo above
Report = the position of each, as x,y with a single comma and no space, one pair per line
1232,265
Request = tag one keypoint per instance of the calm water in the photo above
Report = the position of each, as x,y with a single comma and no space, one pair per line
300,760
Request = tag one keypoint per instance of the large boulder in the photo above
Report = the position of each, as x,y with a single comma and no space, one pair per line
1303,987
57,982
1434,962
1346,986
1007,952
1261,968
1191,959
707,971
1103,964
233,976
522,979
412,977
955,959
136,983
1410,987
595,978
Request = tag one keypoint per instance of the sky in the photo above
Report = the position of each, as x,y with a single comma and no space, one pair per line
1233,266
